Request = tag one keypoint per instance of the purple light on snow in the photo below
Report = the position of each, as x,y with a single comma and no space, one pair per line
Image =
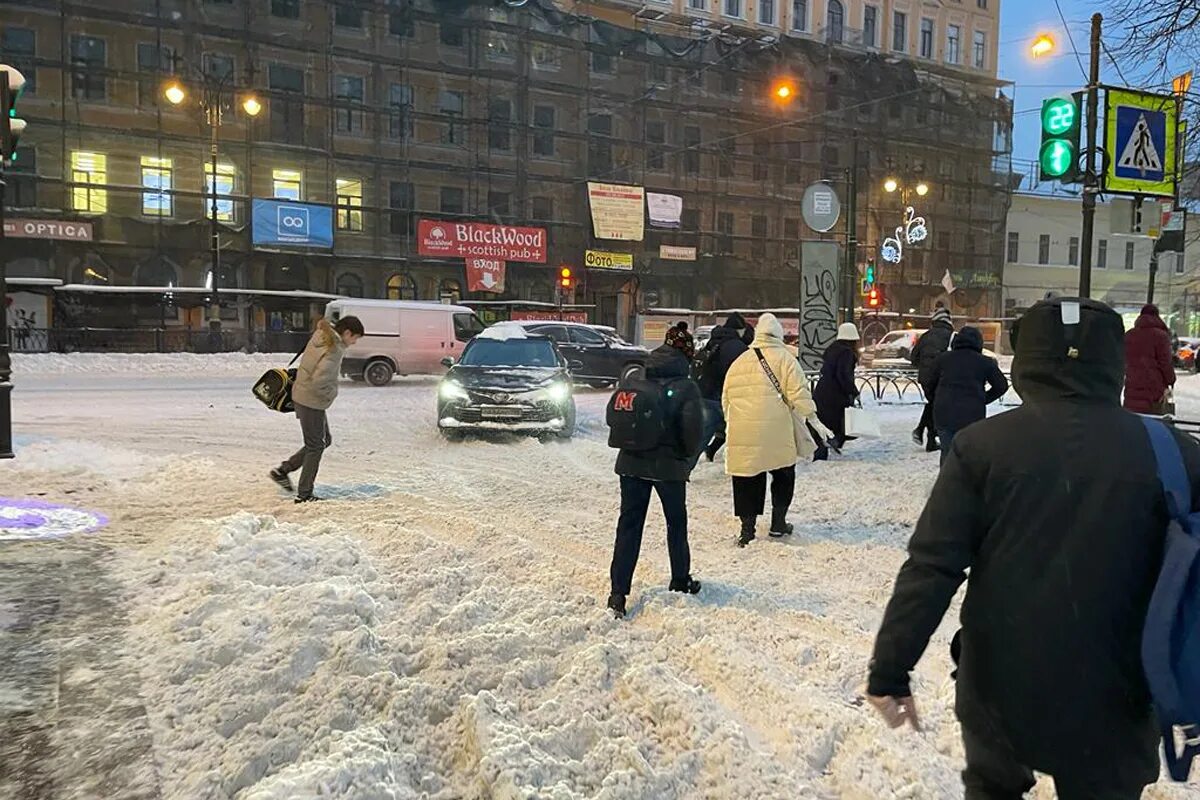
37,519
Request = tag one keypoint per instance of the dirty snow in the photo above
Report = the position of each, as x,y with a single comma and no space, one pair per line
436,627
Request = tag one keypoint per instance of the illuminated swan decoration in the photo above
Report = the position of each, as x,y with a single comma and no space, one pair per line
913,231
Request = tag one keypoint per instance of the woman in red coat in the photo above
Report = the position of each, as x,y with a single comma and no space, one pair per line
1149,370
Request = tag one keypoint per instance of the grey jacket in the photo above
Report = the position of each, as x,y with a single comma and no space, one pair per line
317,376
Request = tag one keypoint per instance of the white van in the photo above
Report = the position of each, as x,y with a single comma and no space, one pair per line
403,337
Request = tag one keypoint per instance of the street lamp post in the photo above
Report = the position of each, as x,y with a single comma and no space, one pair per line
212,101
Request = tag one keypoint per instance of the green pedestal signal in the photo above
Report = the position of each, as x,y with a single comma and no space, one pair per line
1058,158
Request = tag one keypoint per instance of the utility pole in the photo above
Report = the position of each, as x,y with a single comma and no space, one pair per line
850,271
1091,179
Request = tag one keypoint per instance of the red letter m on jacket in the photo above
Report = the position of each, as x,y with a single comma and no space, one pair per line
623,401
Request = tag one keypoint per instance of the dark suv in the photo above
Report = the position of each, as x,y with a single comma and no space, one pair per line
602,360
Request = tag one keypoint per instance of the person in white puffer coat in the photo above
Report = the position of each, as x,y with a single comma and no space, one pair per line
765,419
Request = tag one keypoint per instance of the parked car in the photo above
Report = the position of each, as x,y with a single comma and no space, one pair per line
403,337
894,350
703,334
602,360
1185,353
508,379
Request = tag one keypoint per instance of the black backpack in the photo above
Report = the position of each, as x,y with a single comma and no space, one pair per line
704,368
637,414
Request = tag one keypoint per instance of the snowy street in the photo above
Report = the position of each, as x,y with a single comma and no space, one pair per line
436,628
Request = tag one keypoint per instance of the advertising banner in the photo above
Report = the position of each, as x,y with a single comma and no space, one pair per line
602,259
284,222
65,230
665,209
550,316
617,211
485,275
446,239
670,252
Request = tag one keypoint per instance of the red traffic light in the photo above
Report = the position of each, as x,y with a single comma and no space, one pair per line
564,278
874,299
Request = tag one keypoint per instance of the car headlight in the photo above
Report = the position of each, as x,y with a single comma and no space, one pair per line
450,390
558,392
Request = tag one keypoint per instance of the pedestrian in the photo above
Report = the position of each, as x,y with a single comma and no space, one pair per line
932,344
1149,367
655,459
313,392
964,383
724,347
836,390
1056,511
766,397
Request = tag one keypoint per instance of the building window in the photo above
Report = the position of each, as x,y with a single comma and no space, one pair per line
726,154
602,63
350,94
600,131
1129,255
500,47
766,12
400,120
152,62
347,15
18,47
450,34
218,66
543,130
543,209
835,22
89,172
1044,249
22,179
1178,263
793,171
402,287
981,4
926,37
450,290
400,21
499,121
452,200
156,187
499,205
762,158
724,232
1014,247
451,106
698,5
870,26
760,232
349,285
900,32
733,8
545,56
1102,254
89,56
691,150
287,9
1073,251
689,220
349,204
791,229
800,15
287,184
402,203
224,180
953,36
980,47
287,103
656,141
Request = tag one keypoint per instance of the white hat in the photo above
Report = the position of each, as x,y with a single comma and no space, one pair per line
847,332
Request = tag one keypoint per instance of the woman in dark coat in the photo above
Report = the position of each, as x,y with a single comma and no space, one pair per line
835,390
1149,368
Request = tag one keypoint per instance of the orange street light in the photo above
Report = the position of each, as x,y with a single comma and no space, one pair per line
174,93
1043,45
783,91
252,106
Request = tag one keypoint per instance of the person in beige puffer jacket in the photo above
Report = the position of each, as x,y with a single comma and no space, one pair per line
313,392
760,437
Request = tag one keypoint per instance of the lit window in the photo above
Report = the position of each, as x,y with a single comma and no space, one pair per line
156,187
287,183
349,204
224,180
88,172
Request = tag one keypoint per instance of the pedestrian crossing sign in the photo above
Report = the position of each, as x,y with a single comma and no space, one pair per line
1139,143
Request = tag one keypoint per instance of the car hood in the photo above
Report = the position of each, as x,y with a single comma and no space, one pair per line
509,379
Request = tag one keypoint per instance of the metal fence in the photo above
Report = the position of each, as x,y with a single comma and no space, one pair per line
152,340
898,386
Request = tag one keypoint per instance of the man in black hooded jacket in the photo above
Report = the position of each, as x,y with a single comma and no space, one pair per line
725,346
924,356
964,382
1057,511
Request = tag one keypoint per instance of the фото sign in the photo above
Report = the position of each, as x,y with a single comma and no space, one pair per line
48,229
444,239
485,275
670,252
1139,133
285,222
602,259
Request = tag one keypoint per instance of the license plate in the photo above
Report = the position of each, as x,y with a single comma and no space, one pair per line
500,412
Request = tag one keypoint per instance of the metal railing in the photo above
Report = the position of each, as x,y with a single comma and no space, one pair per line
152,340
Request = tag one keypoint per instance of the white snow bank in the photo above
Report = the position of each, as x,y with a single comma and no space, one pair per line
142,363
503,331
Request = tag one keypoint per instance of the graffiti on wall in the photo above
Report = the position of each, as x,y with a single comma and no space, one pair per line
818,302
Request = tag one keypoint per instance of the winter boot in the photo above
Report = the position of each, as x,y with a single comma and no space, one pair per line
616,604
688,585
306,498
834,444
710,452
281,479
933,445
747,531
779,524
918,437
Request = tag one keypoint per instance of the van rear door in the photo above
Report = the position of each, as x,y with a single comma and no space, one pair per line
424,340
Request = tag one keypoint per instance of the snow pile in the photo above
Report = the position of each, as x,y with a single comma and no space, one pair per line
147,363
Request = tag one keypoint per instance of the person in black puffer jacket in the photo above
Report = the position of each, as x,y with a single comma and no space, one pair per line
836,390
725,346
964,382
1057,512
932,344
664,469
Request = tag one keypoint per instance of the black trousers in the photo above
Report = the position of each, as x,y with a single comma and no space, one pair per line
635,502
314,426
927,423
994,773
750,494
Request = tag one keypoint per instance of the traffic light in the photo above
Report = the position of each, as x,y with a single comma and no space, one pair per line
874,299
565,280
869,277
11,127
1058,157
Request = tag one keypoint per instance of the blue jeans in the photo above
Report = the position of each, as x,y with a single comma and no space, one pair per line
945,438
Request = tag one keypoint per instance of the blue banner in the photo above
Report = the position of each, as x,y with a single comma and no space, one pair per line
286,222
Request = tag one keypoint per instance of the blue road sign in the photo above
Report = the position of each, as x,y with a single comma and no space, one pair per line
1140,142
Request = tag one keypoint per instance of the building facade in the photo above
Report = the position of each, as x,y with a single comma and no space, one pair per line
397,111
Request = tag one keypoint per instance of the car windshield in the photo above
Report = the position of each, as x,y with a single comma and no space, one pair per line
893,337
510,353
